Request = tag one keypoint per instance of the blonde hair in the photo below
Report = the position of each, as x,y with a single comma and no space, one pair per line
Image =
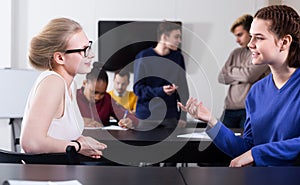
54,37
244,20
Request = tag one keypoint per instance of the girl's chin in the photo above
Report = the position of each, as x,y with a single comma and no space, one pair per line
85,70
256,62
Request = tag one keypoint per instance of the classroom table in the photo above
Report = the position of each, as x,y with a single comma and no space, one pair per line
238,176
115,175
92,175
132,147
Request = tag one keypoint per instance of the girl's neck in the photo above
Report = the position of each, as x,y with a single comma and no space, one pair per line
281,75
66,76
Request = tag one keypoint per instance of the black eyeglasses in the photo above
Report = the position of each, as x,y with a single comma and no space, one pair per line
86,50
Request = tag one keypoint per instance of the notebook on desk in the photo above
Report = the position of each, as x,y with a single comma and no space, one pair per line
113,127
199,135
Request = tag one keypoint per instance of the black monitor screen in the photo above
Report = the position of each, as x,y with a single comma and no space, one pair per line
120,41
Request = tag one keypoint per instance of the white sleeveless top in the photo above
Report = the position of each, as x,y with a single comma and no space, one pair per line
70,125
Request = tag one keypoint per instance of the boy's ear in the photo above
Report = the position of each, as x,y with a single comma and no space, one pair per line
164,36
286,42
58,57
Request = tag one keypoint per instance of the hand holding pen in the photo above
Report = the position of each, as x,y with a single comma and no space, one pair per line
125,122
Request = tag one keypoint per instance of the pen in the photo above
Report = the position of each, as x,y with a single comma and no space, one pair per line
125,114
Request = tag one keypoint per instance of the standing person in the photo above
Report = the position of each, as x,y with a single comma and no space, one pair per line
120,93
96,105
239,73
160,80
52,119
272,131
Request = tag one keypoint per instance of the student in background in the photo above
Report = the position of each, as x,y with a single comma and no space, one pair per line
239,73
120,94
96,105
160,80
52,119
272,130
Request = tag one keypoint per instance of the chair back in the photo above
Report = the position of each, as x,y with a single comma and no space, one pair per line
70,157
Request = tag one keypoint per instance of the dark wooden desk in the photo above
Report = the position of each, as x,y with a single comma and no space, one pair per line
92,175
158,145
238,176
114,175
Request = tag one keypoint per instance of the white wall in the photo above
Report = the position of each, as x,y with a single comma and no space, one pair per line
5,50
206,36
5,33
207,40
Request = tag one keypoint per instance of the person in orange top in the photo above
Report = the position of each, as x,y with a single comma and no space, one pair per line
120,93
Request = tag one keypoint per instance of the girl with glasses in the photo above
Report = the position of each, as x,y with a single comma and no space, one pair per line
52,120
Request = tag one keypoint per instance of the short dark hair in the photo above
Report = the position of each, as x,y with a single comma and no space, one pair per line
166,27
122,73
